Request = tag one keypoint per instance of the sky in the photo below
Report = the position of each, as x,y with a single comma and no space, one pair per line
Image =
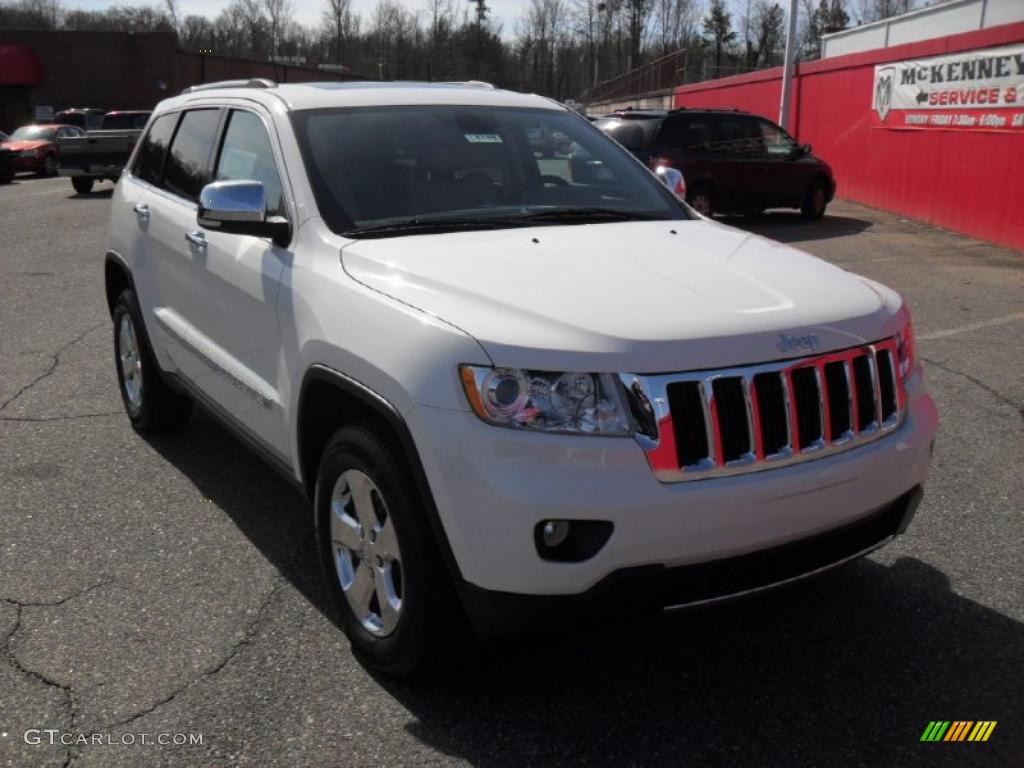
308,12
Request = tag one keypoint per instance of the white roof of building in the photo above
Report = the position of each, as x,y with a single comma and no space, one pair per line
298,96
939,20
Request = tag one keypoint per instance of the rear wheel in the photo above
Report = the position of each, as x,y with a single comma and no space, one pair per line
379,557
82,184
151,405
815,201
49,166
701,198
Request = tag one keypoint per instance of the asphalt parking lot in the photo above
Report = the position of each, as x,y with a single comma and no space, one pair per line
167,585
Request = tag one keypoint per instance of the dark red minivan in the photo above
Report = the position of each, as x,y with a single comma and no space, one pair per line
732,161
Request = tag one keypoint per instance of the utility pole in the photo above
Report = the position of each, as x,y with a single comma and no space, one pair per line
787,66
481,16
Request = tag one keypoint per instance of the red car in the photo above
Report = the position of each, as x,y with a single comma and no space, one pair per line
35,146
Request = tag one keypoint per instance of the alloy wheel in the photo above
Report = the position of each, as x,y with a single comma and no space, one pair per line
367,558
131,362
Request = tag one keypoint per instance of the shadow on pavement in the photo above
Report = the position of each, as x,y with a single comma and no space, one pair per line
791,227
843,670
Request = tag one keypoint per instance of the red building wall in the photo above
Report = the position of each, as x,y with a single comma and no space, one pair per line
968,181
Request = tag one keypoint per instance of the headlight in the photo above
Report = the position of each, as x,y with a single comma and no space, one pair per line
905,350
579,403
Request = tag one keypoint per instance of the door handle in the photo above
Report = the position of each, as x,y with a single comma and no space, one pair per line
141,210
198,239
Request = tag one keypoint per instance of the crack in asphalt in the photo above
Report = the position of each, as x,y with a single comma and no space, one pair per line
53,366
71,698
65,417
248,636
979,383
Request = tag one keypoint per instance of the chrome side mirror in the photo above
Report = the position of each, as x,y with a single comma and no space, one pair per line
240,208
673,179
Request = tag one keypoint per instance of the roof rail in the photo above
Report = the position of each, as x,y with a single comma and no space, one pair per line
255,82
471,83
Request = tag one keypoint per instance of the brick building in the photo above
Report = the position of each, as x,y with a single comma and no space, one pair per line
112,70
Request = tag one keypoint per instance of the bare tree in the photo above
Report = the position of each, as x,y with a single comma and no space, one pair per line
338,19
278,11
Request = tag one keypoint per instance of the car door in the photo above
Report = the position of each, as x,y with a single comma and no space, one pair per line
182,310
739,150
784,177
242,278
686,141
130,225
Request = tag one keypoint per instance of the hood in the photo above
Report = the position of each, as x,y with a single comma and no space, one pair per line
23,144
641,297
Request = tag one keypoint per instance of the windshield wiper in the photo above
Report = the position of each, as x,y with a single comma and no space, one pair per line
460,223
588,214
416,226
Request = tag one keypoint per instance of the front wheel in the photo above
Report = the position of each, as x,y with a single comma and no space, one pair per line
151,405
49,166
815,201
702,200
379,557
82,184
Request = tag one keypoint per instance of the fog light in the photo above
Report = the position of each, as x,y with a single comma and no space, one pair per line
554,532
565,541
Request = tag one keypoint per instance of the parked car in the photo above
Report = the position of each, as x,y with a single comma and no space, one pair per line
508,396
7,158
86,118
101,154
732,161
547,142
36,146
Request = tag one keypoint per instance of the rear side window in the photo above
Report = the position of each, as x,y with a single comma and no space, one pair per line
246,155
691,133
188,161
635,134
150,162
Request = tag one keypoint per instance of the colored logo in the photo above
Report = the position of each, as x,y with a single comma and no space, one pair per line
958,730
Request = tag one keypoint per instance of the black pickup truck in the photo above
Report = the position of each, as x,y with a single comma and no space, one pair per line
101,154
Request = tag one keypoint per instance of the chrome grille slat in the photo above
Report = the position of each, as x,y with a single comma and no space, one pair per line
728,454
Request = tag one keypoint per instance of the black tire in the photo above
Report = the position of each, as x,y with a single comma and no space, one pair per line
815,201
49,166
157,408
702,199
82,184
430,618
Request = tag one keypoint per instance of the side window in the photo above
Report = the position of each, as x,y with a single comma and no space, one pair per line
689,133
777,142
149,163
246,155
740,136
188,160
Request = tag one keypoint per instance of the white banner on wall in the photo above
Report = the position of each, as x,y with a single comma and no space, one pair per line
973,90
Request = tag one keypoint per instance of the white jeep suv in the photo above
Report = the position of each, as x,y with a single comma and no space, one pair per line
512,391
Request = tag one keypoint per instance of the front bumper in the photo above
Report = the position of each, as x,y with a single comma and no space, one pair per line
492,486
653,588
23,164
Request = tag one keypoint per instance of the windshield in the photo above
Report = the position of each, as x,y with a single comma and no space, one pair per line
478,166
34,133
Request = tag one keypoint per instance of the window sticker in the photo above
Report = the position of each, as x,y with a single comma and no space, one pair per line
483,138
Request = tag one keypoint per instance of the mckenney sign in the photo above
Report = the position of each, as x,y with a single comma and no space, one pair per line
974,90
